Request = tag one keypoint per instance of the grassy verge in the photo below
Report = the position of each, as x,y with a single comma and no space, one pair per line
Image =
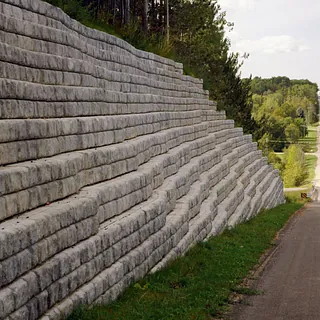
197,286
295,196
311,162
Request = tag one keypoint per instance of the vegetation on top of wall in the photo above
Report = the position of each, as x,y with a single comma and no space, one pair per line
196,37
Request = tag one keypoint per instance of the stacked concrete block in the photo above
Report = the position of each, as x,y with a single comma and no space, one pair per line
112,163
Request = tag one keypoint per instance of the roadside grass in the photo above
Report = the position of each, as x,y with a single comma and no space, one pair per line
311,162
198,285
295,196
247,291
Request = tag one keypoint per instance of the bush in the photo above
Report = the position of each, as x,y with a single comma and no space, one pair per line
295,169
276,161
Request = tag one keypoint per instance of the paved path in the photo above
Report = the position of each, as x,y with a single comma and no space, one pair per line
290,281
317,175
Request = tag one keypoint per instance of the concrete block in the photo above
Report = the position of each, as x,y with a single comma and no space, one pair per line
7,302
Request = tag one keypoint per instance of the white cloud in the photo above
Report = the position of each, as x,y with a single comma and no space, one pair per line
271,45
237,4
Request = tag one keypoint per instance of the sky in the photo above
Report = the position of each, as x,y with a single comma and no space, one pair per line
281,36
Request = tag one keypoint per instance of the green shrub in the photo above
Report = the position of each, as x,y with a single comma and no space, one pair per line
276,161
295,169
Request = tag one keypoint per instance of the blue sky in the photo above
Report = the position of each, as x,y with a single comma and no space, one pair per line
281,36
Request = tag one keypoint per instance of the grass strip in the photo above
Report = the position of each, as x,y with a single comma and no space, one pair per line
197,285
311,162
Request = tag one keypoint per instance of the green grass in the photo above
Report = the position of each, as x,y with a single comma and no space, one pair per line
310,141
295,196
311,162
247,291
197,286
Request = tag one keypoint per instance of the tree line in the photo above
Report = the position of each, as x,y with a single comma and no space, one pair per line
150,15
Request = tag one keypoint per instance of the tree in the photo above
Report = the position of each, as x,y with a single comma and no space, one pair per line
167,20
276,161
198,32
295,171
292,133
282,108
145,16
264,144
127,12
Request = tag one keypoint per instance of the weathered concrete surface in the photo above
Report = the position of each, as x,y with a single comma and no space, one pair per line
112,162
291,280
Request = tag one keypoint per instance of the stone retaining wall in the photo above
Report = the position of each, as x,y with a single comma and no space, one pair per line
112,162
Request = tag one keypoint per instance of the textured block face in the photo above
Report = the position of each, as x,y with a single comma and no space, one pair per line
112,162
